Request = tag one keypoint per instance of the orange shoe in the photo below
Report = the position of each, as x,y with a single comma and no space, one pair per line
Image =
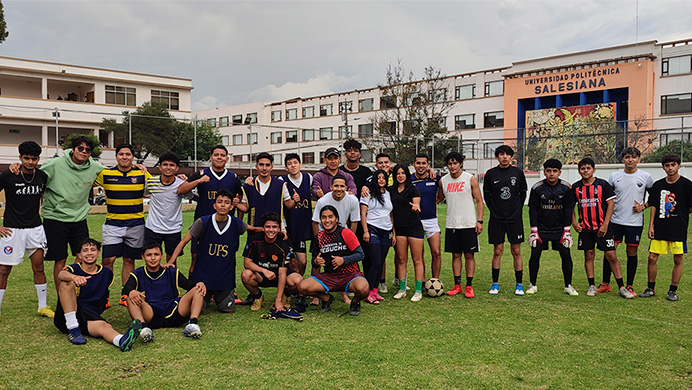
468,292
631,290
123,301
603,288
108,304
456,290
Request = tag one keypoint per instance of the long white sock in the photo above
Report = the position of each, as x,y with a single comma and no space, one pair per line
2,294
71,320
116,340
42,295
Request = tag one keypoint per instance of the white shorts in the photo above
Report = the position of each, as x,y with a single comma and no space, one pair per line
23,241
430,226
132,236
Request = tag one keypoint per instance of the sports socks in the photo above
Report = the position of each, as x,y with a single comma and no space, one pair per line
42,295
469,280
619,282
592,281
193,320
519,276
631,269
457,280
258,296
673,288
116,340
402,284
419,286
607,270
496,274
71,320
2,294
651,285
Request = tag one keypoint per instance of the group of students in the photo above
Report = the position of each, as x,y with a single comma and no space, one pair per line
359,218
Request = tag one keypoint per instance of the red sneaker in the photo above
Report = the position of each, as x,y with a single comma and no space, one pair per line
603,288
468,292
108,304
123,301
631,290
456,290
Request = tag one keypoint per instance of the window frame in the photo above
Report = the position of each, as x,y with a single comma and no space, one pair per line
459,88
488,88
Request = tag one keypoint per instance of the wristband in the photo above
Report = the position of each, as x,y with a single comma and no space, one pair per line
481,221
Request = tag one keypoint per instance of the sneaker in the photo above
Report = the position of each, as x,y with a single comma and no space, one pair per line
569,290
123,300
494,289
291,314
249,300
326,305
371,299
400,294
672,296
46,312
192,330
383,288
532,289
395,283
379,297
257,304
354,308
417,296
624,293
108,304
631,289
603,288
649,292
146,334
468,292
130,335
301,302
519,289
75,336
456,290
592,291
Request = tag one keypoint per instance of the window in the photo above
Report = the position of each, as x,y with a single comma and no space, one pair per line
200,123
345,131
252,138
277,158
308,135
237,158
211,122
464,122
466,92
365,104
292,136
494,88
676,65
276,137
291,113
325,133
276,116
438,95
387,102
251,117
469,150
325,109
415,98
489,149
170,100
365,130
308,112
366,155
238,139
225,140
123,96
494,119
237,119
223,121
345,107
308,158
676,104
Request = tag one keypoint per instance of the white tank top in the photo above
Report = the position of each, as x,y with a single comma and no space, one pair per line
461,209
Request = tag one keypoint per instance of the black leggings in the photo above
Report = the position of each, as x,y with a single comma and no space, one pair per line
535,261
378,248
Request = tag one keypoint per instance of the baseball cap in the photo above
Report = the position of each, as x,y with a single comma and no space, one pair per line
332,151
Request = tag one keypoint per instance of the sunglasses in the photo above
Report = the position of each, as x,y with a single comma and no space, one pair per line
83,149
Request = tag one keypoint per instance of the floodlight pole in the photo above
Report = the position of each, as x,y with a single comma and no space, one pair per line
56,114
195,136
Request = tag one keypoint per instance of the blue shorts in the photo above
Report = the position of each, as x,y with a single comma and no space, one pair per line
380,236
632,234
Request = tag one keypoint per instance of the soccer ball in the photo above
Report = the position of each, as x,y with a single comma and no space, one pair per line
434,288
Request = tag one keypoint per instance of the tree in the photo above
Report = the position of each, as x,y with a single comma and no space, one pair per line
3,26
672,147
207,138
95,153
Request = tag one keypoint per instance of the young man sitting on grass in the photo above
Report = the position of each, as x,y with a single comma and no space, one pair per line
153,297
83,293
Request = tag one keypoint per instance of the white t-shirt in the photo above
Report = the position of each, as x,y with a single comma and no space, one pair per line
263,187
379,215
297,182
348,209
629,187
461,209
165,206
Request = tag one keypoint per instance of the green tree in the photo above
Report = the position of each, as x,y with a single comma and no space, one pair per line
672,147
67,144
3,26
207,138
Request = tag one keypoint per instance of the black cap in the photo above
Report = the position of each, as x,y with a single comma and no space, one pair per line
332,151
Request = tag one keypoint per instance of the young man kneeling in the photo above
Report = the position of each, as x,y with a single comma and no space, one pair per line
83,293
153,297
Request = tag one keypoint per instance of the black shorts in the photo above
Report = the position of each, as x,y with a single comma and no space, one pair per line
588,240
121,250
60,234
273,282
513,230
461,240
171,240
224,300
300,247
543,246
632,234
84,315
172,321
415,231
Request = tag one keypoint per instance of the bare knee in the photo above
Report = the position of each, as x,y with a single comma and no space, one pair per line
246,275
5,271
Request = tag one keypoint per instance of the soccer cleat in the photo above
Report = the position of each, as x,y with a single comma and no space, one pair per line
130,335
519,289
672,296
249,300
301,304
371,299
603,288
75,336
456,290
468,292
592,291
192,330
354,308
123,300
569,290
327,305
532,289
649,292
624,293
494,289
631,289
379,297
291,314
383,288
417,296
46,312
400,294
146,334
395,283
257,304
108,304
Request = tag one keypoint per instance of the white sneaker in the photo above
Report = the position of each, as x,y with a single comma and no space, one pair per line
400,294
532,289
192,330
592,291
569,290
383,288
416,297
146,335
624,293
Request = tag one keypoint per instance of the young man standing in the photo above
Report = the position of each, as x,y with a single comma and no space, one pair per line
670,199
595,199
22,232
298,219
464,221
630,186
504,191
323,179
360,173
428,208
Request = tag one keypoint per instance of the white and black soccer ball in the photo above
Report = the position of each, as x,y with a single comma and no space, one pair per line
434,288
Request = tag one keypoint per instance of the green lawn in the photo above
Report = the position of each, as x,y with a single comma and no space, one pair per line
549,340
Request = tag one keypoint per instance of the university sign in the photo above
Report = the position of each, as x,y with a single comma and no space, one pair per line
573,81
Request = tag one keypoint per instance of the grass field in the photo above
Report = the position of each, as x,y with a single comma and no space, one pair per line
549,340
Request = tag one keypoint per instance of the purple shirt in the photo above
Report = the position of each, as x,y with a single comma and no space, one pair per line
324,180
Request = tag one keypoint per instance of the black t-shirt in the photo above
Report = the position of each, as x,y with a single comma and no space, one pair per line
551,208
23,194
360,176
403,215
672,203
271,256
504,191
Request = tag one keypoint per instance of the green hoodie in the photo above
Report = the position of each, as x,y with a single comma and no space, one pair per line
66,198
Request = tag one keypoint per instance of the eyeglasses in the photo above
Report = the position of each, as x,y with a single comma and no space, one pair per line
83,149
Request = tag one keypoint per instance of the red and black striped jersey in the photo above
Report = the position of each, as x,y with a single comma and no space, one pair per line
592,202
341,242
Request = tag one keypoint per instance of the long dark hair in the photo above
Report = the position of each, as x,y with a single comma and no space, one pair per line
407,171
375,187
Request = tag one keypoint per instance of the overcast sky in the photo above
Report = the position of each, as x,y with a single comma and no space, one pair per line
239,52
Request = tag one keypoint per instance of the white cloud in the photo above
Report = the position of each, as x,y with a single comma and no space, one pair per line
322,84
207,103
